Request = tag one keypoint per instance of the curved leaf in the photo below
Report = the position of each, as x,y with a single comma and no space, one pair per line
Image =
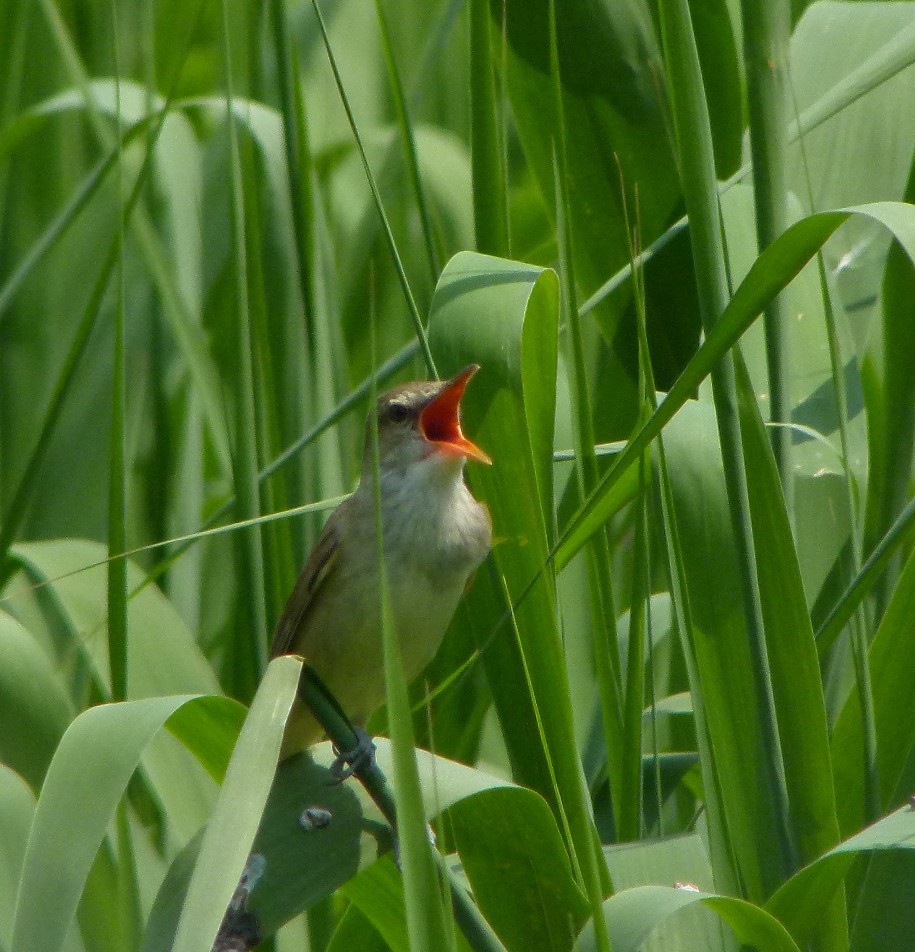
503,315
34,708
162,656
302,867
772,271
519,870
85,782
17,805
231,830
633,914
801,901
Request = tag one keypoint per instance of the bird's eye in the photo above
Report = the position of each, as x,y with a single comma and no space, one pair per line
398,413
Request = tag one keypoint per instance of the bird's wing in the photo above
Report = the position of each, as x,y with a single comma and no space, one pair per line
318,568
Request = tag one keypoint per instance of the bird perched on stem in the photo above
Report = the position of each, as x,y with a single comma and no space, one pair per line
434,535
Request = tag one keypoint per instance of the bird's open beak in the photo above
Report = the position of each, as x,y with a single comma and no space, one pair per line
440,421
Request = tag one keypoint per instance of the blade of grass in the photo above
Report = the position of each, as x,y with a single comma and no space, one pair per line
276,539
298,152
176,308
20,497
693,133
117,491
897,536
418,325
409,142
489,175
129,918
603,608
721,841
17,24
766,29
720,838
427,924
592,870
792,655
78,801
250,642
892,59
859,639
233,825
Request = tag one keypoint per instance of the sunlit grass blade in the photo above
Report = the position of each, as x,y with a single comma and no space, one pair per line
633,914
771,272
697,168
794,665
504,315
232,828
800,902
113,734
117,489
34,707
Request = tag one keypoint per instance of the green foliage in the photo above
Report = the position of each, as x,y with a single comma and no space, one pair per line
672,710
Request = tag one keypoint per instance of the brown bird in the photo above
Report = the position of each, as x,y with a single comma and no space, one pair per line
434,534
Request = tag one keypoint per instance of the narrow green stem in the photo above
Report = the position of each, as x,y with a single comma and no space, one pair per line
117,494
596,879
859,639
489,187
409,143
418,325
694,140
250,640
899,534
329,715
766,28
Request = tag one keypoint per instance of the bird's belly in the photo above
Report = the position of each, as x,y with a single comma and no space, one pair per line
421,613
348,652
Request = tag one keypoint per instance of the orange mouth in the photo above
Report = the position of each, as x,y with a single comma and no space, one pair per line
440,421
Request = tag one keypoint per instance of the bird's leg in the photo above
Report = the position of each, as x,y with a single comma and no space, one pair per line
357,760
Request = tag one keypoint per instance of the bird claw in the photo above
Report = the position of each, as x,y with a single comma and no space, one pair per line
360,758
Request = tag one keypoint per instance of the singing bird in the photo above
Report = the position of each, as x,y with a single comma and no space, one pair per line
434,534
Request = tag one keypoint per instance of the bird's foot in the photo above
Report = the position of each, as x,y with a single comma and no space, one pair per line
360,758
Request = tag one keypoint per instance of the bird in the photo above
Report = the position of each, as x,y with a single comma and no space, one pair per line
434,535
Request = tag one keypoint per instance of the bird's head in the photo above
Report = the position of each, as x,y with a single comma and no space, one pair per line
421,421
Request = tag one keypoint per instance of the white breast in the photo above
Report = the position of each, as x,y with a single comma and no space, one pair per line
435,534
